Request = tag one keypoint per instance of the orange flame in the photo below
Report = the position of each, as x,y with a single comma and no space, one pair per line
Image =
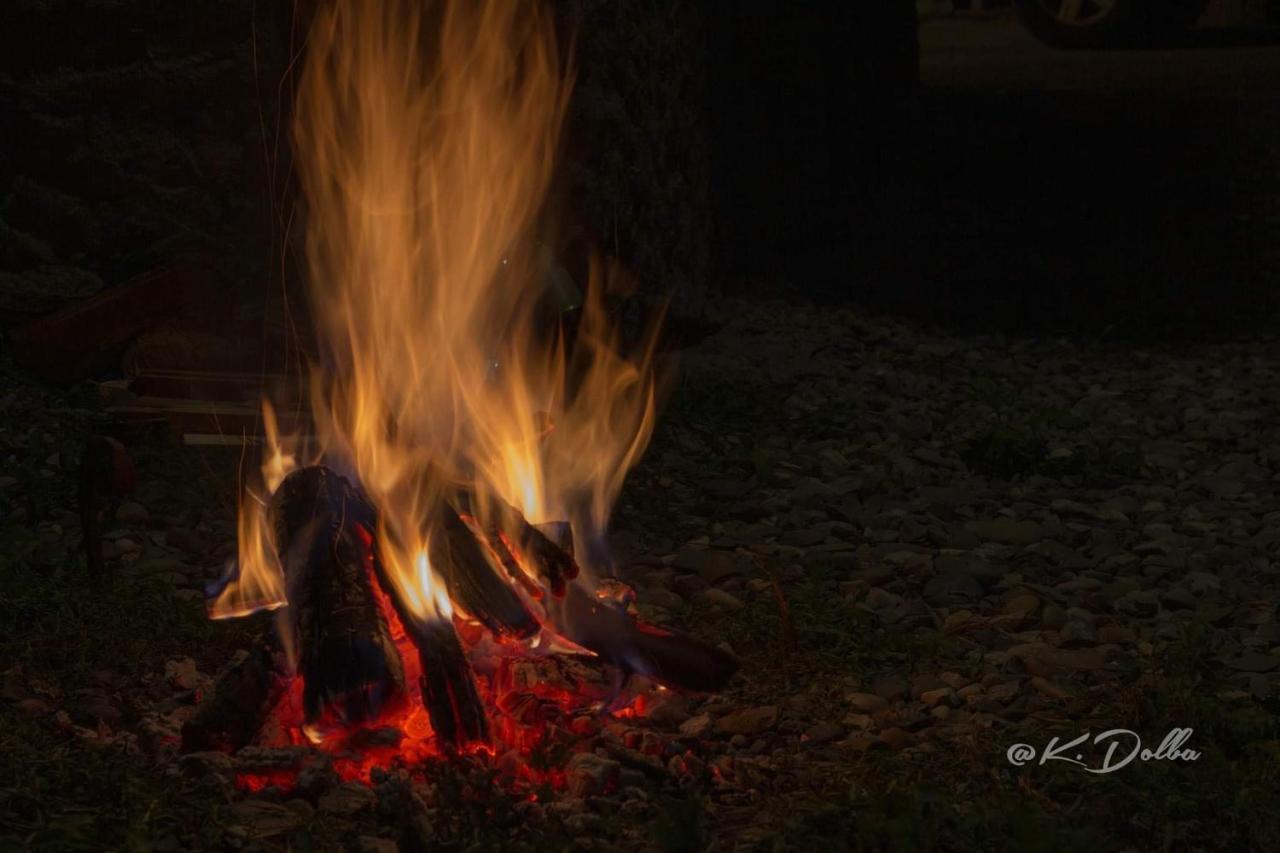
259,578
426,137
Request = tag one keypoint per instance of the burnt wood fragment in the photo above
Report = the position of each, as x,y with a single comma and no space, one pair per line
350,667
234,712
668,657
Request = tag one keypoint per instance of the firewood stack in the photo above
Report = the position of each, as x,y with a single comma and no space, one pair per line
327,540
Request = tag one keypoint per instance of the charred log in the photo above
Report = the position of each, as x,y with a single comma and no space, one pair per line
242,698
473,583
349,664
449,687
554,564
668,657
447,683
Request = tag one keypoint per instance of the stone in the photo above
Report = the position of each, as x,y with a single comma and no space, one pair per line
932,698
182,674
256,818
132,512
1008,531
976,567
803,538
584,823
720,599
1178,598
891,688
1043,660
660,597
867,703
1077,633
1254,662
751,721
347,799
858,721
896,738
824,733
1119,634
699,726
719,566
589,774
1202,582
1053,689
1024,605
197,764
1138,603
1053,617
951,588
315,780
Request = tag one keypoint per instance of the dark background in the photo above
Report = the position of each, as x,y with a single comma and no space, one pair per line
741,148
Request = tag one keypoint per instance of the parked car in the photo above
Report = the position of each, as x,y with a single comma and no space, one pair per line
1107,23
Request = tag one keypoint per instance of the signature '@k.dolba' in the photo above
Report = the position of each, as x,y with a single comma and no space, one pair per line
1172,748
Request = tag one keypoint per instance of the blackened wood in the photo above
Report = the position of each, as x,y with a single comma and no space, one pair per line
447,683
349,664
668,657
473,583
234,712
554,564
449,686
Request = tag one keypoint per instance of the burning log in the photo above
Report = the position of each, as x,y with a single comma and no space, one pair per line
668,657
349,664
556,565
242,698
447,683
472,582
449,686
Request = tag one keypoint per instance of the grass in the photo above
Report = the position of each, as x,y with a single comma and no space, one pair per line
57,631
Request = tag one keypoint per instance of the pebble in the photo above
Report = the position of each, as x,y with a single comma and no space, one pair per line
869,703
750,721
132,513
346,799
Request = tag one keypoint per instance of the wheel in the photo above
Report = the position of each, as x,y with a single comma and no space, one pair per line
1171,16
1107,23
1082,23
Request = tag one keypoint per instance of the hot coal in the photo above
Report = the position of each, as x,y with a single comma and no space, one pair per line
350,667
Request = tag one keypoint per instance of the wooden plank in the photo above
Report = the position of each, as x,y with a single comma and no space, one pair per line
87,338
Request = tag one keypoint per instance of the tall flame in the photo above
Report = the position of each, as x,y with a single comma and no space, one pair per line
426,136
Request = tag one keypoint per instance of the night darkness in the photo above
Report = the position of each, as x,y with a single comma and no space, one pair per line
639,425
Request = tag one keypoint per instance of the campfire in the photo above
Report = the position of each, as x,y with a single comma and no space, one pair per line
435,548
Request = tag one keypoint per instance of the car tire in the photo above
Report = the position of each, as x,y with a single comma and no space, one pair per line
1086,23
1173,16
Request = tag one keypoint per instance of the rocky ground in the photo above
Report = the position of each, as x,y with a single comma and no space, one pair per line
925,549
